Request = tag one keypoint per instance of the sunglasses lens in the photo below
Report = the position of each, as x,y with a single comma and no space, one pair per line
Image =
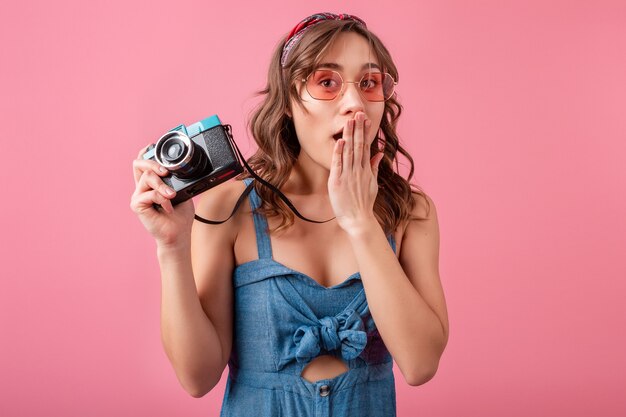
324,85
377,86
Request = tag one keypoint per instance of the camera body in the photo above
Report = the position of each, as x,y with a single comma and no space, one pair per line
198,157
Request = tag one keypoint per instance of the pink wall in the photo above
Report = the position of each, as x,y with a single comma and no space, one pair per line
514,112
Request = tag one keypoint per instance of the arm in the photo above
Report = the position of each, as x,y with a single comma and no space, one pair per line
405,295
197,306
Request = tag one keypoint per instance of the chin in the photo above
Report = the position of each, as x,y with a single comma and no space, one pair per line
326,163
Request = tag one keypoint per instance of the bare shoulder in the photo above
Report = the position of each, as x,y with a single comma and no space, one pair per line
212,244
424,213
424,206
420,239
218,203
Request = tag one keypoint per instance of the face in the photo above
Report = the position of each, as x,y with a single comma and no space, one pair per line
317,129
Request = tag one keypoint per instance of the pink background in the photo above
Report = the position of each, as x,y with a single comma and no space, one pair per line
514,113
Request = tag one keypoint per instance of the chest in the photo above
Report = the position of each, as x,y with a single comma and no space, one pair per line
321,251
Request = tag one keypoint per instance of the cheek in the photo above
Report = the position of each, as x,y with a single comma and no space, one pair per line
312,126
306,129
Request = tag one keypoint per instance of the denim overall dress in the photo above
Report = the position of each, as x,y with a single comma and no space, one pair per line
282,320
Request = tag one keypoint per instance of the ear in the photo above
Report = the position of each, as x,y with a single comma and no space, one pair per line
288,112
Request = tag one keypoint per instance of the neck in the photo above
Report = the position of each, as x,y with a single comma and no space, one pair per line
307,178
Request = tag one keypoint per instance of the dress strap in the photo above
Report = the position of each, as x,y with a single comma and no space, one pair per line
263,242
392,241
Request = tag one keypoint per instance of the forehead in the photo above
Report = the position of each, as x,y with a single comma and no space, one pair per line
351,51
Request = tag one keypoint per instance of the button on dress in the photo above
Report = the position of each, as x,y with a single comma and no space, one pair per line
283,319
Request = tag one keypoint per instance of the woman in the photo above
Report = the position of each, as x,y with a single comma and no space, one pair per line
276,298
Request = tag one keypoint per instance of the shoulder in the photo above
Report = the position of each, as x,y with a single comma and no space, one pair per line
217,203
424,207
424,212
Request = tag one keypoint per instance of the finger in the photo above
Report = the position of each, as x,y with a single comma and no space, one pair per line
143,151
136,172
359,140
167,205
367,146
336,162
348,147
368,133
151,181
141,165
144,201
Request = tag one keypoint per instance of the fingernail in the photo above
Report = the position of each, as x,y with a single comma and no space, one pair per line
169,191
162,169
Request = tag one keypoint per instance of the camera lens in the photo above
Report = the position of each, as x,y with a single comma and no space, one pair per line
173,150
180,155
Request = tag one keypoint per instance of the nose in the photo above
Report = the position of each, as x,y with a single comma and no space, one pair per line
351,99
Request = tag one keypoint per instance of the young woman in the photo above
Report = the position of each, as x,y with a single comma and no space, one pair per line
276,298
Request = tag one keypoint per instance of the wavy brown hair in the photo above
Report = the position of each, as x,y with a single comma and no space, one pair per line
278,146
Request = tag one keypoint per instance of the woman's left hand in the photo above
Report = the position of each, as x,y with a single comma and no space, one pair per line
353,180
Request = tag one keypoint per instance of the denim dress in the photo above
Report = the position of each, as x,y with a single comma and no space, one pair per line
282,320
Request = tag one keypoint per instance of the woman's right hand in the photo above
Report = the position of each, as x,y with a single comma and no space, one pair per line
170,226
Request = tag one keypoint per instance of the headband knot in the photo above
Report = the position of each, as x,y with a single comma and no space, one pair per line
300,29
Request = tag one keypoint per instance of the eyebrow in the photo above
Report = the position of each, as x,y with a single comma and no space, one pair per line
339,67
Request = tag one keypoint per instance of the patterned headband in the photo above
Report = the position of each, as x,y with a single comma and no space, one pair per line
300,29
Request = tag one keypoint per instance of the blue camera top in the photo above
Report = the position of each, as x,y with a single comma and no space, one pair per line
199,127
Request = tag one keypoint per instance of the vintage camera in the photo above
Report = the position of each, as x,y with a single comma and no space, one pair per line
198,157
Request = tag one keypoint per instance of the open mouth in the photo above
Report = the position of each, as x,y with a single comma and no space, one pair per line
338,135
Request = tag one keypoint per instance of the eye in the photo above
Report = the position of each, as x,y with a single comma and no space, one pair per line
324,79
371,81
328,83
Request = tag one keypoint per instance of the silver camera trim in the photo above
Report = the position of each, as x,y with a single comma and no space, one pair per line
159,144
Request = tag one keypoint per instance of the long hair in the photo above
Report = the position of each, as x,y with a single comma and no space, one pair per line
278,146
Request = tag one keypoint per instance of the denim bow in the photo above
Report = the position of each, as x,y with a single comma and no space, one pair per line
345,330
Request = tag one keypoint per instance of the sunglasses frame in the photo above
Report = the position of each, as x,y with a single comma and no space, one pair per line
343,84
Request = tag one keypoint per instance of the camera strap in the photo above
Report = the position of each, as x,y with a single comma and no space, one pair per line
249,188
